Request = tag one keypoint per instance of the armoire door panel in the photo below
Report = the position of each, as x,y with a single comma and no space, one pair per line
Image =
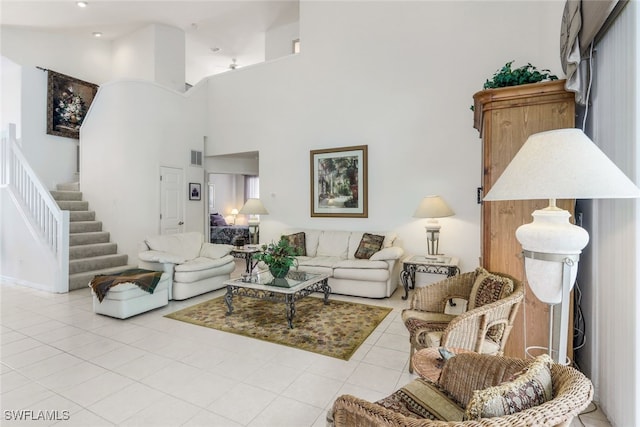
505,118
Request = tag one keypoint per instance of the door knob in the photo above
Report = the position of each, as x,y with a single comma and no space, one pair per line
181,223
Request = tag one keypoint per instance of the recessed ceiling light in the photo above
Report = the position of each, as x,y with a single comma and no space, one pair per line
82,4
97,34
215,49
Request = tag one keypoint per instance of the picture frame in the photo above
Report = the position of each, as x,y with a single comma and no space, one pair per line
339,182
68,101
195,191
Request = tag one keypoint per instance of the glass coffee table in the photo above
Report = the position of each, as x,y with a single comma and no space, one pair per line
262,285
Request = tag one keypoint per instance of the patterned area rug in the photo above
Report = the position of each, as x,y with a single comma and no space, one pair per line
335,330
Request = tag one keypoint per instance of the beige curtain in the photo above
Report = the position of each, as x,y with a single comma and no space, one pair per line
582,22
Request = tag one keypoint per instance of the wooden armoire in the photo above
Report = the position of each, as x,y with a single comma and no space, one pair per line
505,118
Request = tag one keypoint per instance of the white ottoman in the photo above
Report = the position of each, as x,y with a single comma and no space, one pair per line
127,299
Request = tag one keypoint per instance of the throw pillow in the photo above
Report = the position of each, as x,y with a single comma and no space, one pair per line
423,399
218,220
298,242
530,387
489,288
369,245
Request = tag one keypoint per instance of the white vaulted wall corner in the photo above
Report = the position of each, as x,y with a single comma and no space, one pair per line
134,129
396,76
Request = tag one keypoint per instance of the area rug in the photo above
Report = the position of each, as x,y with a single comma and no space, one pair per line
335,330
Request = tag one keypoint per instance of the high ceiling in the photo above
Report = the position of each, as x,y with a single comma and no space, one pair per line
235,27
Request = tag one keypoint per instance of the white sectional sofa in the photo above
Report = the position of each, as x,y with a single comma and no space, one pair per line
334,253
195,266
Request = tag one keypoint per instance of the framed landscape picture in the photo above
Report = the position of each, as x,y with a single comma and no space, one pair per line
339,182
68,100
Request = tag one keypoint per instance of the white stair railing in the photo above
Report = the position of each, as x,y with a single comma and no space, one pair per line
36,200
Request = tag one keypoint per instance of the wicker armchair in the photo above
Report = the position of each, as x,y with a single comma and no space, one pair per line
482,329
461,375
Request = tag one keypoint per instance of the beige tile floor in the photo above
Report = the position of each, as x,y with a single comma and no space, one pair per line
57,355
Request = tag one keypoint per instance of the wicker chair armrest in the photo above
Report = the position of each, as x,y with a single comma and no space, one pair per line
433,296
349,411
468,330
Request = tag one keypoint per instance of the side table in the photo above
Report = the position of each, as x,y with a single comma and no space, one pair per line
246,253
418,263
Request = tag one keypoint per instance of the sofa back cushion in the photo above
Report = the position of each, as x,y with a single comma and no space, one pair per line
334,244
354,242
185,245
389,238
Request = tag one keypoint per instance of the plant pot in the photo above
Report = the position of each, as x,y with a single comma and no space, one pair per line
278,271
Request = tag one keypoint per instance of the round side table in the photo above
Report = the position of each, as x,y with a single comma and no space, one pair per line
428,363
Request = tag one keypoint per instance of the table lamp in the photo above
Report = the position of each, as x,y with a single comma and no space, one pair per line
234,214
433,207
557,164
253,207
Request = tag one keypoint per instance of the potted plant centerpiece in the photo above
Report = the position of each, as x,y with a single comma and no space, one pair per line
279,257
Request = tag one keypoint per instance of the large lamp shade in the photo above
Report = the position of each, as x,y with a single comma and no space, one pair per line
557,164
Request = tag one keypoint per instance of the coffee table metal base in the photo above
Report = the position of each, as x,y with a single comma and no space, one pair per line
289,299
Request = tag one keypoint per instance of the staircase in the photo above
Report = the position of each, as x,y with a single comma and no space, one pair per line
90,251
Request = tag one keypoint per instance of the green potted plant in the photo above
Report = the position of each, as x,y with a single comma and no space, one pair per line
279,257
506,76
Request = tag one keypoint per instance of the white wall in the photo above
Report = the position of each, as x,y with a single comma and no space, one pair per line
279,40
154,53
132,130
24,258
397,76
225,193
169,49
133,55
10,95
88,60
53,158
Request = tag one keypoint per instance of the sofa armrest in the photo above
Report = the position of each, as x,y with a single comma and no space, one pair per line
166,267
161,257
393,252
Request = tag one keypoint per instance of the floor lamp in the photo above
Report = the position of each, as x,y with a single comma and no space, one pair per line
253,207
557,164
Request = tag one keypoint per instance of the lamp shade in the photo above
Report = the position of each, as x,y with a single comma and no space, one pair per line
433,207
561,164
253,207
234,211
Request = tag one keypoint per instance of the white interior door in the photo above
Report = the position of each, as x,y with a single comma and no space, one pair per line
171,200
